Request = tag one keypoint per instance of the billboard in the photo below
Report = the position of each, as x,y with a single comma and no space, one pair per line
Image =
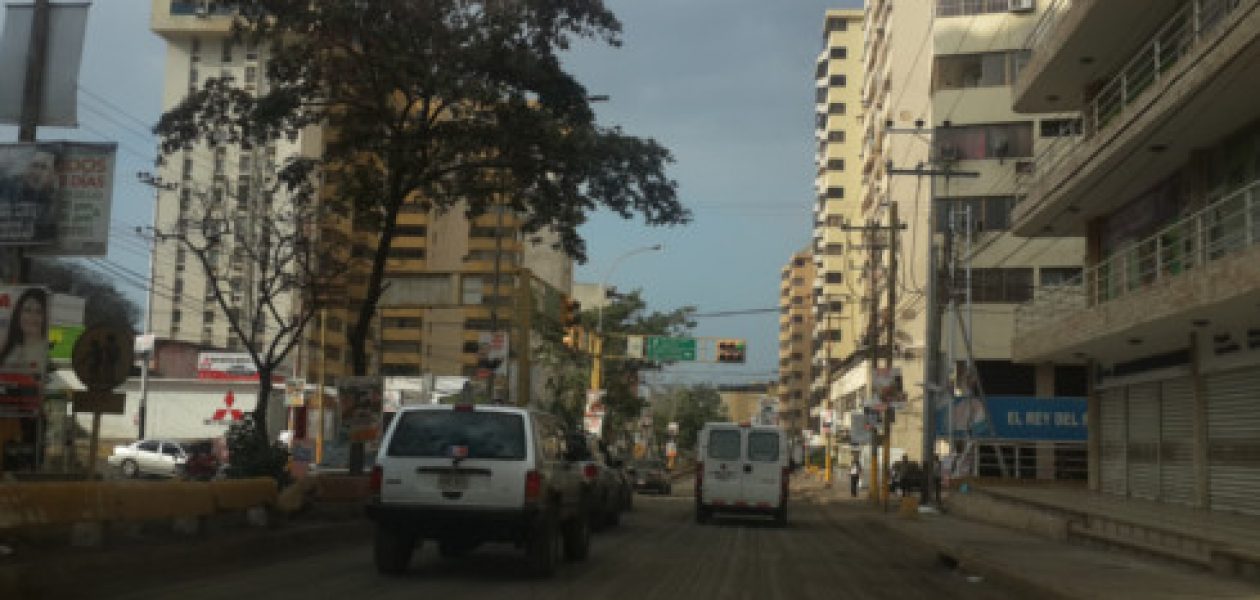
229,366
24,347
55,197
1060,419
66,25
361,401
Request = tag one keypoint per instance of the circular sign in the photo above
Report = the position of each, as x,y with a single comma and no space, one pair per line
102,358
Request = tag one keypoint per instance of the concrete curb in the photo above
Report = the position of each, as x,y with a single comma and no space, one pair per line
102,572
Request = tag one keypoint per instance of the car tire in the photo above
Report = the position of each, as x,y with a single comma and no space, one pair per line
780,516
577,539
455,548
392,549
130,469
542,550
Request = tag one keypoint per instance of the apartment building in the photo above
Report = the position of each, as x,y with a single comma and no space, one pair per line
1164,183
978,51
796,327
838,79
452,278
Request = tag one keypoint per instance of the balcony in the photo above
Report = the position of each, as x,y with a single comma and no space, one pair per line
1202,266
191,16
1180,90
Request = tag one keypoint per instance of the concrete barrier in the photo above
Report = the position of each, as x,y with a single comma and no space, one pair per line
979,507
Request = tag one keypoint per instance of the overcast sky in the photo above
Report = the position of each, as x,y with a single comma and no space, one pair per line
727,85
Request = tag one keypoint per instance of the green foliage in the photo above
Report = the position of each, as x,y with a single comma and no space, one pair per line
105,304
446,103
252,454
691,407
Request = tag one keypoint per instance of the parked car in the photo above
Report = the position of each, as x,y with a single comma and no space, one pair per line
149,457
464,475
651,475
203,461
742,468
607,487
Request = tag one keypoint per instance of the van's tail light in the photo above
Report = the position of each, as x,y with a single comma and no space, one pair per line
590,472
699,477
374,482
533,486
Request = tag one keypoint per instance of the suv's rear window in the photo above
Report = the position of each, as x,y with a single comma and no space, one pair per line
724,444
432,434
763,446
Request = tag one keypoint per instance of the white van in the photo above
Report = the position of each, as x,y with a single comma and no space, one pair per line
742,468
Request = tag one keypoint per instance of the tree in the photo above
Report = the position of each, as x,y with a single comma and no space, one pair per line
105,305
441,103
690,407
267,269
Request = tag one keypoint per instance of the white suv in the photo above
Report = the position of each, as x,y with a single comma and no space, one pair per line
463,475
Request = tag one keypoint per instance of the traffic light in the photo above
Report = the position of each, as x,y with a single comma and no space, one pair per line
730,351
570,312
575,338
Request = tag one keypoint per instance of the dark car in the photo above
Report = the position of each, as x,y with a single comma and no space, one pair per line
607,487
651,475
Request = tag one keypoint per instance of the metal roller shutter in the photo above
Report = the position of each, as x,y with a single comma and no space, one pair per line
1112,413
1234,440
1176,441
1142,457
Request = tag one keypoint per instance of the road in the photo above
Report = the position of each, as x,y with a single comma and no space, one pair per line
836,551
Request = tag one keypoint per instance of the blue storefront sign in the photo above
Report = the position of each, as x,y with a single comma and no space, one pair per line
1060,419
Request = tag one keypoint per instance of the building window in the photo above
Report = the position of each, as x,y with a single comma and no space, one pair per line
995,140
227,50
1060,127
835,221
962,8
400,370
820,95
400,347
411,230
1050,276
401,322
835,192
990,69
834,277
988,213
176,316
835,136
208,316
837,24
407,253
835,164
251,50
834,249
1001,285
835,108
838,81
839,52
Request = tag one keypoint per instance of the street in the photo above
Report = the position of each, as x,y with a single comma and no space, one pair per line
658,552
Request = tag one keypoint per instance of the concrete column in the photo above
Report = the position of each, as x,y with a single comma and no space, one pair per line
1045,450
1200,430
1094,416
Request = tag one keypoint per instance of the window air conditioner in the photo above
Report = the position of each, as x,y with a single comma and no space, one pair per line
1023,6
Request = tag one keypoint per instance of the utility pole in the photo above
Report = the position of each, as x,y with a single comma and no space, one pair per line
889,412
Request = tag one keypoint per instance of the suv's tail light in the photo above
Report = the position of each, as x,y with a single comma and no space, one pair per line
374,482
533,486
590,472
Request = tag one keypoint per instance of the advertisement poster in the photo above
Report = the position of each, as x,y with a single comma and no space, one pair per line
24,347
1016,418
361,402
889,390
229,366
55,197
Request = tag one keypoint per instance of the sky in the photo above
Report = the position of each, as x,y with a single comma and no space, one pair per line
726,85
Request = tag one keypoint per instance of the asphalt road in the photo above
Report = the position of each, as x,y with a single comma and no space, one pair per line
837,551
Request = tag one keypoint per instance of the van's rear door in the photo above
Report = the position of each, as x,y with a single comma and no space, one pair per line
723,466
763,472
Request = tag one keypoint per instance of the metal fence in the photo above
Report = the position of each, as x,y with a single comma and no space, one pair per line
1223,228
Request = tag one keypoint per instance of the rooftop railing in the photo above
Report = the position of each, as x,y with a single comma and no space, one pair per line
1224,228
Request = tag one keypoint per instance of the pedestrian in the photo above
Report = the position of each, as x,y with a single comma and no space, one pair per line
855,473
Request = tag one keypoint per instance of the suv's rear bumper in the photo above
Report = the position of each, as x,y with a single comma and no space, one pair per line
435,522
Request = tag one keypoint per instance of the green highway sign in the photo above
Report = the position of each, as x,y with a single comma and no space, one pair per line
670,349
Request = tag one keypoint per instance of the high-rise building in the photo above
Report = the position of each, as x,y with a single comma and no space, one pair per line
796,327
978,51
452,278
1162,178
838,79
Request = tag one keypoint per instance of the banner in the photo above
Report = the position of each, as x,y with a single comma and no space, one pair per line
67,23
229,366
361,401
24,347
1016,418
55,197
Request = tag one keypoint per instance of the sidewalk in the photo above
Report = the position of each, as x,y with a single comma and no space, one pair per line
1058,568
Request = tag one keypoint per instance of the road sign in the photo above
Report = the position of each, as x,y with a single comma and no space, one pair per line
99,402
634,346
670,349
102,358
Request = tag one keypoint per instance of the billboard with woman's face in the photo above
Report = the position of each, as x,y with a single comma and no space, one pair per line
24,345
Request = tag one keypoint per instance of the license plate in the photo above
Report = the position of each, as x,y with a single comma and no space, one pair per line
453,482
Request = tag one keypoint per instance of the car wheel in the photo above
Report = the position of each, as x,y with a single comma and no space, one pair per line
780,516
130,469
453,548
392,550
542,551
577,539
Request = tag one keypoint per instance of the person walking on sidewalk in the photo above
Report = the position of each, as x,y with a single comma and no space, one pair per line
855,473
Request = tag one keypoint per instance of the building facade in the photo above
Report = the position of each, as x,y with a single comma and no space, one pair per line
796,327
1164,183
